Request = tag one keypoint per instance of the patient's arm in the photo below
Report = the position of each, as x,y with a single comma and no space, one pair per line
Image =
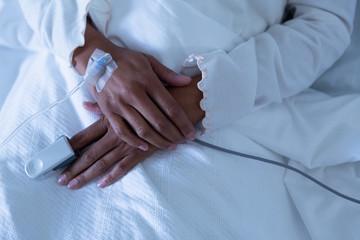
111,151
135,96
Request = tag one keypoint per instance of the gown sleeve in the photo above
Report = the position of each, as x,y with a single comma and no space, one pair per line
278,63
60,25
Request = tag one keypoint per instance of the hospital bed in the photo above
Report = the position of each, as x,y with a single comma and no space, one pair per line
194,192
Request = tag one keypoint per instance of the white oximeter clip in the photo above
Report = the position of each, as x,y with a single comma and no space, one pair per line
99,69
58,155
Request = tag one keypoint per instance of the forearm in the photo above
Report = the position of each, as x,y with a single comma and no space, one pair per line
93,40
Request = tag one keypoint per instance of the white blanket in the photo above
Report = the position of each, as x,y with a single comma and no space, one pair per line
194,192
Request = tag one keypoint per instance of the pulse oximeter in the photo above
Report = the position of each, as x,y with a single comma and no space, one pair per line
58,155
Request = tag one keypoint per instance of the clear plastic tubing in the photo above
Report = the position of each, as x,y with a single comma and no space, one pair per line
94,72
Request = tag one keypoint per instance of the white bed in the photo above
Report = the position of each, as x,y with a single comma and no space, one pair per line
194,192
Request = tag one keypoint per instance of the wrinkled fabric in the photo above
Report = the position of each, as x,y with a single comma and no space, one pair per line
60,25
244,42
193,192
190,193
243,45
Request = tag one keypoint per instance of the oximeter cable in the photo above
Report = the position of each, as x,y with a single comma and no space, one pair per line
268,161
99,69
48,108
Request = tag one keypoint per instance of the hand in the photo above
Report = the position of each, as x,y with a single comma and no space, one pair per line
134,100
188,97
110,151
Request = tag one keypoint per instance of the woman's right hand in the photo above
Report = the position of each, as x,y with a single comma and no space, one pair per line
110,152
134,100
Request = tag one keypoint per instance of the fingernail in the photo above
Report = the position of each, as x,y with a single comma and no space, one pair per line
172,147
144,147
187,78
62,180
183,141
73,184
191,135
102,183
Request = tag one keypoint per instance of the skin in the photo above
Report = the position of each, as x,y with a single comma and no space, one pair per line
112,155
134,101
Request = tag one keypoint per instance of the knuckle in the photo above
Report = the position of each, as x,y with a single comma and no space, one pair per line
161,126
80,139
88,157
174,111
122,168
125,89
119,131
143,132
100,166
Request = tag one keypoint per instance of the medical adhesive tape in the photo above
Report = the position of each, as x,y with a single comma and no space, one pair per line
99,69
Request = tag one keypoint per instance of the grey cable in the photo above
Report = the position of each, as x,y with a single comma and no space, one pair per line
248,156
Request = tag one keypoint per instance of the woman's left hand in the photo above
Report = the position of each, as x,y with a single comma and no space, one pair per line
109,152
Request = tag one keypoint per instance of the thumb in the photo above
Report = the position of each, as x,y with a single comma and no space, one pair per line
92,107
167,75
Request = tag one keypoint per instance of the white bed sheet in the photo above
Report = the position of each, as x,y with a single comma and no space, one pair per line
194,192
10,63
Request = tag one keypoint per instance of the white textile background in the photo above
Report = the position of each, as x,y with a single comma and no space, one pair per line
194,192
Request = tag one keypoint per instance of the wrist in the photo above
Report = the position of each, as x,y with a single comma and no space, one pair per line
198,114
93,40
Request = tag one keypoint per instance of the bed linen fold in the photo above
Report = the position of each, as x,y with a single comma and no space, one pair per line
193,192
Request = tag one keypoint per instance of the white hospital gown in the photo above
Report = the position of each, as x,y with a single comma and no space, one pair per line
250,59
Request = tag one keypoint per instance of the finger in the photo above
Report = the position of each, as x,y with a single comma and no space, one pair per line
93,107
97,168
88,157
167,75
157,119
120,170
173,111
121,129
145,131
89,135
